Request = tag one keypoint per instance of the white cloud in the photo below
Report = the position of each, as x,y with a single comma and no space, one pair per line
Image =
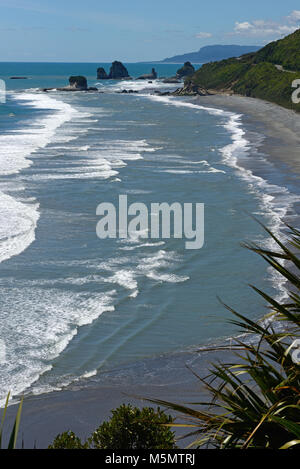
240,27
203,35
294,17
266,29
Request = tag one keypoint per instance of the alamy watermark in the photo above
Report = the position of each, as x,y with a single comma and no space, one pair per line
161,221
296,93
2,92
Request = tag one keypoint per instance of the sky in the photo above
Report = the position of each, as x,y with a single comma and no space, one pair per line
136,30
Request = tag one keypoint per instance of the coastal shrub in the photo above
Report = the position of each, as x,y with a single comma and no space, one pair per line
284,52
219,75
67,440
255,393
128,428
133,428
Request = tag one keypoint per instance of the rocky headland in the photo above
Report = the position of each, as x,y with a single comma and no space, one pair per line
269,74
185,71
118,71
182,73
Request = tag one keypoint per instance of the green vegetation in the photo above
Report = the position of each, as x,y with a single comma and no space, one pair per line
128,428
68,440
285,52
255,74
219,75
264,81
255,398
14,434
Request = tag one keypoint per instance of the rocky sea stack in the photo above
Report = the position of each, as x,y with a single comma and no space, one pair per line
149,76
76,83
101,74
117,71
185,71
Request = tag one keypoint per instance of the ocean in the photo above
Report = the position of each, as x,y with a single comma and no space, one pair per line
73,306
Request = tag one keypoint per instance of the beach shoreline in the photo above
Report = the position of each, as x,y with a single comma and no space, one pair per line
280,126
81,407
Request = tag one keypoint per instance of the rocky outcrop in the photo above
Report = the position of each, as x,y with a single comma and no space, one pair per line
186,70
149,76
118,71
76,83
163,93
191,89
171,80
101,74
127,92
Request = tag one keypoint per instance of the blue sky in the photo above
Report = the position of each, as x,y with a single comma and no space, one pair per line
135,30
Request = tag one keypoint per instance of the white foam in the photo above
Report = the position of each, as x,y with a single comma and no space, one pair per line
141,85
42,322
189,171
16,147
19,217
124,278
18,222
143,245
169,278
98,162
276,201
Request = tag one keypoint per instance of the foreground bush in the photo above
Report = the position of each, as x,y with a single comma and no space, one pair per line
255,398
128,428
67,440
132,428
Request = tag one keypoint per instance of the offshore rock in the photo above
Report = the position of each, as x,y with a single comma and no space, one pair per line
101,74
149,76
117,71
76,83
186,70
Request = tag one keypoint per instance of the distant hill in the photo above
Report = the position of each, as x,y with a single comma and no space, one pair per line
267,74
212,54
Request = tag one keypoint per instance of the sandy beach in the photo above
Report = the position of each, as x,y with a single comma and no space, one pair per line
83,406
280,126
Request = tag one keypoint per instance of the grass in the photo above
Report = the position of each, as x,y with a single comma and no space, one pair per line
14,434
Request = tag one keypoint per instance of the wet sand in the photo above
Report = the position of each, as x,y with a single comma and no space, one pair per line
280,126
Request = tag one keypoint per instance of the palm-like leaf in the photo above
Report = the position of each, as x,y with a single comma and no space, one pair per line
255,399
